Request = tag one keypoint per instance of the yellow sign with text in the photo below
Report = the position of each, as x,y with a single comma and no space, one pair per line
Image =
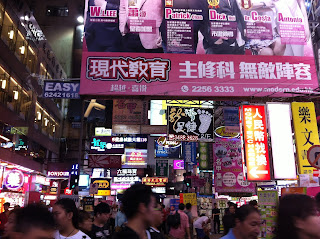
188,198
306,133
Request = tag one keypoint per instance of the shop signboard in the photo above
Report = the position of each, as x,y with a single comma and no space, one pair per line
188,198
163,141
120,186
228,175
167,32
129,111
162,167
268,203
189,150
21,143
205,156
231,119
178,164
174,204
279,118
88,204
61,89
306,133
104,161
222,132
135,158
155,181
167,152
19,130
13,180
207,188
127,139
190,124
102,131
100,186
254,136
126,176
104,145
58,174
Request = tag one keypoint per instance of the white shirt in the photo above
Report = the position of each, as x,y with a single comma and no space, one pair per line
198,223
79,235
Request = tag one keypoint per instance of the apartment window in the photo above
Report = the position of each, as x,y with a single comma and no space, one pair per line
57,11
14,95
4,82
21,47
1,15
9,31
31,60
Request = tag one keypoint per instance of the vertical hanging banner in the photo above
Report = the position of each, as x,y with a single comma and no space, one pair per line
279,119
129,111
305,131
162,167
207,188
189,153
255,143
228,175
205,156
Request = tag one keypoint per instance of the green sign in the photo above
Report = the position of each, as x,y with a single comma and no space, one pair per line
162,167
19,130
205,156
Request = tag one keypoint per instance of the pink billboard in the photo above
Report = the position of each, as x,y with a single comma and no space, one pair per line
227,166
197,48
178,164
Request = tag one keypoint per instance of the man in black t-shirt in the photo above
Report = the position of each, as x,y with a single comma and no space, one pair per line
216,219
139,204
100,226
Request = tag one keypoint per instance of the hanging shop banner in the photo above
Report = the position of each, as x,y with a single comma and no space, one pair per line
155,181
61,89
279,119
228,175
129,111
167,152
162,167
268,203
88,204
100,186
190,124
188,198
231,119
255,140
104,145
222,132
207,188
205,156
135,158
104,161
189,150
127,139
306,133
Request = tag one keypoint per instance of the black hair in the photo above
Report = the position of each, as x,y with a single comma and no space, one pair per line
202,215
102,208
133,196
244,211
70,206
33,216
83,216
317,198
188,206
181,206
6,204
253,203
291,207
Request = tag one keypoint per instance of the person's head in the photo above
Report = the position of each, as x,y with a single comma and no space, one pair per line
181,206
253,203
6,206
215,205
65,213
33,222
248,221
232,208
9,226
298,217
157,216
317,198
85,221
102,213
188,206
138,203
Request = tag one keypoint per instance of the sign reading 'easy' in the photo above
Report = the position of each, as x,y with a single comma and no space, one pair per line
61,89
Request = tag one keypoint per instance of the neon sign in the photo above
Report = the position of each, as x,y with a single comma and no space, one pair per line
14,180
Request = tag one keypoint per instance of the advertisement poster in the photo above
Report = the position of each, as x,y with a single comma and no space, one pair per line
268,202
129,111
174,204
205,206
227,160
231,119
100,187
143,47
188,198
162,167
104,161
190,124
207,188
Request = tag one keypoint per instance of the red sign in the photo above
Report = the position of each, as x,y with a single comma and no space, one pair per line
255,143
154,181
68,191
104,161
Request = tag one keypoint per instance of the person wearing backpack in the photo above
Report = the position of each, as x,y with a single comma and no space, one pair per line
179,224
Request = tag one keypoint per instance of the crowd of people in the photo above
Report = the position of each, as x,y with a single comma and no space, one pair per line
142,216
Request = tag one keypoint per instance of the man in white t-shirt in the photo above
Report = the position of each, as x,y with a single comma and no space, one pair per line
200,224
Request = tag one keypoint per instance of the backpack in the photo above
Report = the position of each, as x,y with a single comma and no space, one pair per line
174,220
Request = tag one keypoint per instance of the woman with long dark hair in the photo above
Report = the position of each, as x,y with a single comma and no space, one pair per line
65,214
298,218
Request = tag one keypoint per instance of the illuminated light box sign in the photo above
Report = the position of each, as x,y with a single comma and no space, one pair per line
154,181
100,187
178,164
58,174
164,142
190,124
21,145
101,131
136,158
139,138
61,89
120,186
128,179
40,180
255,139
104,161
223,133
104,145
14,180
167,152
159,190
127,172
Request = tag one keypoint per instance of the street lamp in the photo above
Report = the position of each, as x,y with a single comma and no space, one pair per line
80,19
